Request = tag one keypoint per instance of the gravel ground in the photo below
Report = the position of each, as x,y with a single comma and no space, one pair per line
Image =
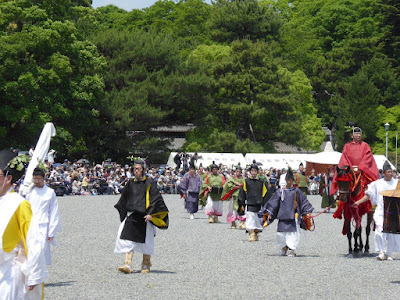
197,260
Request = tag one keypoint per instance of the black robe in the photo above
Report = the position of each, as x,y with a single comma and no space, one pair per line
141,198
252,195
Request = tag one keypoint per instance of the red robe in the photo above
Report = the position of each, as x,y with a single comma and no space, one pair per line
358,154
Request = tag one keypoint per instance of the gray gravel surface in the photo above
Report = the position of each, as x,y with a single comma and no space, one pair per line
197,260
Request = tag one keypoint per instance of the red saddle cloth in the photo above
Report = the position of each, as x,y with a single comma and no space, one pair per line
349,212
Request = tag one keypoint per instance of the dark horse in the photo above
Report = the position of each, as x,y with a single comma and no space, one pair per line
350,190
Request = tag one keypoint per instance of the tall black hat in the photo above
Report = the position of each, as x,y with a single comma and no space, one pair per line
386,166
301,165
5,157
213,166
289,174
238,167
254,165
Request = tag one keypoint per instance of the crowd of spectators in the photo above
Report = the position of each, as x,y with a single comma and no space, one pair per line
109,178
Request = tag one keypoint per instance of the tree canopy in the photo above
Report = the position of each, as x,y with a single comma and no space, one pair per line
245,73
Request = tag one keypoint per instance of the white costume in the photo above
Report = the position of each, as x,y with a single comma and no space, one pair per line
126,246
282,180
50,156
18,234
373,191
253,221
45,209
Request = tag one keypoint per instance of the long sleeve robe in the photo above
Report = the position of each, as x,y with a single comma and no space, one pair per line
282,206
360,155
20,241
140,198
45,208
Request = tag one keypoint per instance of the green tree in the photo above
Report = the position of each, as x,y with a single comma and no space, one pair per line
47,73
256,98
148,84
237,19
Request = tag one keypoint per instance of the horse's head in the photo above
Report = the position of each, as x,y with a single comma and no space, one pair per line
344,179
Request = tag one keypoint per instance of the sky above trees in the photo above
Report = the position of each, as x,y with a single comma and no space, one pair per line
127,4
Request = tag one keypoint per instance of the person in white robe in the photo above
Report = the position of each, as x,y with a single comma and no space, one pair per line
373,193
22,263
45,209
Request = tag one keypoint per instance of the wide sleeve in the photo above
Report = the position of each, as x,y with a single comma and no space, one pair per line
54,216
183,185
36,269
272,206
121,204
157,208
344,159
371,192
368,164
304,205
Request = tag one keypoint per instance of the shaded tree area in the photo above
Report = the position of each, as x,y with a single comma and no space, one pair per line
246,73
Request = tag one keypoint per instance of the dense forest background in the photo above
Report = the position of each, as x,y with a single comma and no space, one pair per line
245,73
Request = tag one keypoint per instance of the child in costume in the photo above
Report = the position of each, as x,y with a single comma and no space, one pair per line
252,196
288,204
231,191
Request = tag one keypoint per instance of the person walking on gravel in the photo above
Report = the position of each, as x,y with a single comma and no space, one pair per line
288,204
141,209
252,196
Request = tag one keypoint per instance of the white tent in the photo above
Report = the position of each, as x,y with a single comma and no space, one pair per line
206,159
327,157
277,160
331,157
380,160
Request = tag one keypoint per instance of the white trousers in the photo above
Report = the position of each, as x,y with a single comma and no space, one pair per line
253,221
213,208
393,243
126,246
380,239
289,239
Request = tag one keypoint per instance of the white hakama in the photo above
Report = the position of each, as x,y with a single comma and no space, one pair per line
126,246
213,207
289,239
393,240
253,221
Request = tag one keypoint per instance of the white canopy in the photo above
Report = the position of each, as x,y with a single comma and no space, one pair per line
380,160
277,160
327,157
331,157
206,159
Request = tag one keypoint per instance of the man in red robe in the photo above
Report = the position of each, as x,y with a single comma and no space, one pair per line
357,155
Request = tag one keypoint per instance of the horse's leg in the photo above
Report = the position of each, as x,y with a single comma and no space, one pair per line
349,234
368,231
360,246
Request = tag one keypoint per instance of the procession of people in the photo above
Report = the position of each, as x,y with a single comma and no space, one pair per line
254,198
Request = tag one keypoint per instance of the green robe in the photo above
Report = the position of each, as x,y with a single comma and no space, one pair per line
229,186
212,181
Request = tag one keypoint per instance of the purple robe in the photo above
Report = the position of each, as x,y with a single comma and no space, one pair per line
191,185
284,210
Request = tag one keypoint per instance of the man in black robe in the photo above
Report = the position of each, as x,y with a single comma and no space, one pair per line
141,208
